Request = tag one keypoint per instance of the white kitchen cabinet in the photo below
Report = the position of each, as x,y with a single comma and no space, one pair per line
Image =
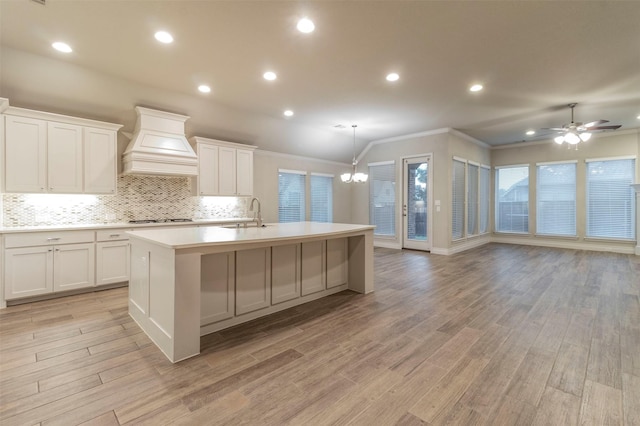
224,168
253,280
285,273
217,290
25,154
337,262
45,262
100,166
313,267
64,158
28,271
53,153
112,262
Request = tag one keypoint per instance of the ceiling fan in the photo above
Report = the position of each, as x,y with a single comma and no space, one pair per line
576,132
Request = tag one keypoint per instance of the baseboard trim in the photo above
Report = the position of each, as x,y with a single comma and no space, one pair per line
387,244
572,245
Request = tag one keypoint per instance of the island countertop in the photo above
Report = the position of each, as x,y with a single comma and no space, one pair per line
189,237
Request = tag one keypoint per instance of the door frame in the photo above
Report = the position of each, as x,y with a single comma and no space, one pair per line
404,160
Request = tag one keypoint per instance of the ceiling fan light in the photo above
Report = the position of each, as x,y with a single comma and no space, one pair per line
571,138
559,139
585,136
345,177
360,177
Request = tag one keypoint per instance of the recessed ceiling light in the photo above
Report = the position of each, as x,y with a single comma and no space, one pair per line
163,37
638,117
62,47
393,77
531,132
269,75
305,25
475,88
288,113
204,88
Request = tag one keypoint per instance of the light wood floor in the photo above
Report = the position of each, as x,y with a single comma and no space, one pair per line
500,335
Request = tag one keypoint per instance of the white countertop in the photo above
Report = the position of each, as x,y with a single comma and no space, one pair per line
179,238
98,226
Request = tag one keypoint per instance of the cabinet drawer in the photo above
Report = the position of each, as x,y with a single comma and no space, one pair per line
112,235
32,239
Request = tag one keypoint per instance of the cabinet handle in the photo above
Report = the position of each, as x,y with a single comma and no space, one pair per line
50,250
57,249
53,239
114,235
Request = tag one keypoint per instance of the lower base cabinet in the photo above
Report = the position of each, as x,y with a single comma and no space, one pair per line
112,262
285,273
73,266
313,266
217,292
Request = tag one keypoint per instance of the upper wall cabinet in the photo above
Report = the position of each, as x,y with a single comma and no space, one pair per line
224,168
53,153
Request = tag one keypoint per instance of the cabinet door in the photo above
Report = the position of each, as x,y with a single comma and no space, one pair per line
99,161
313,267
226,171
217,290
207,169
25,154
28,271
337,262
253,286
112,262
64,157
244,172
285,273
73,266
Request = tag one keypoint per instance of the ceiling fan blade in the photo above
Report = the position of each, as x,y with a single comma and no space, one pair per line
555,129
596,128
595,123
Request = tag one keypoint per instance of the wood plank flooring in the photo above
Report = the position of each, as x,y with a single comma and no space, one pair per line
500,335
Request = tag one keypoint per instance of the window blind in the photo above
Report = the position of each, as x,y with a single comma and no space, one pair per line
610,199
291,196
472,199
382,198
512,199
457,204
321,198
556,199
485,195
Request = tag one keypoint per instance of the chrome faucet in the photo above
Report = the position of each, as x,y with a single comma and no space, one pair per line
258,219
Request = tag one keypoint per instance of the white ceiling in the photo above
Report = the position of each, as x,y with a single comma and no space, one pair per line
532,57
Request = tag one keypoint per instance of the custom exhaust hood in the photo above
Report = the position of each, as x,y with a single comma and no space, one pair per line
159,146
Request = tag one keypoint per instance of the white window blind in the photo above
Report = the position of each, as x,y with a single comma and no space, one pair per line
291,196
458,196
556,199
512,199
321,198
472,199
610,199
382,198
485,195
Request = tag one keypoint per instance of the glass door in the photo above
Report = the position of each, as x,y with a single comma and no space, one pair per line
416,212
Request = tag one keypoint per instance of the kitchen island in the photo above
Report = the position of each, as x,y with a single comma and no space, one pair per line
191,281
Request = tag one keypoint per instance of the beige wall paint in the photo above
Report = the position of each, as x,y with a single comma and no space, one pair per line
265,185
604,145
442,145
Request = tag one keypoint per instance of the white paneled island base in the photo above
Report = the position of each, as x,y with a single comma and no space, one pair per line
188,282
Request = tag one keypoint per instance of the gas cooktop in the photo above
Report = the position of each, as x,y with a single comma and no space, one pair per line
160,220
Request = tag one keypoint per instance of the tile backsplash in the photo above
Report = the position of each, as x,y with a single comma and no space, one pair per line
138,197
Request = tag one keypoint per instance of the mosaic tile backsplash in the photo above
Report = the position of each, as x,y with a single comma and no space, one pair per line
138,197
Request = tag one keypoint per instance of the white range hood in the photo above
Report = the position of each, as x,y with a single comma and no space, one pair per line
159,146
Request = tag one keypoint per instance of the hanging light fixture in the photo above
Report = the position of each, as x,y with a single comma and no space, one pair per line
354,176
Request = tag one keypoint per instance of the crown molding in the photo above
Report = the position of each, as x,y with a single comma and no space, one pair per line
299,157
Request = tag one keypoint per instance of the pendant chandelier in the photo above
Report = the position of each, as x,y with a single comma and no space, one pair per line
354,176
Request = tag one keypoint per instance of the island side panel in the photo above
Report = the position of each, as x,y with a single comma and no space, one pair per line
186,306
361,262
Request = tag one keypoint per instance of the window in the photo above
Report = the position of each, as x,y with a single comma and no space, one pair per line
556,199
457,203
321,197
485,194
512,199
291,196
610,198
382,198
472,199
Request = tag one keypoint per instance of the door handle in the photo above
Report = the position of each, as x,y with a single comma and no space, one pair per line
404,210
